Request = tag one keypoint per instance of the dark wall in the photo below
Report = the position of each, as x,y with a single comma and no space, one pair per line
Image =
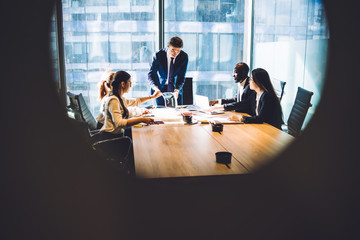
54,188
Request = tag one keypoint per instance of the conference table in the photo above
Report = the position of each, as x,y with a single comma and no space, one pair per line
177,149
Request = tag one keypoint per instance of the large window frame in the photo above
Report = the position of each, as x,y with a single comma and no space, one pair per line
248,54
226,75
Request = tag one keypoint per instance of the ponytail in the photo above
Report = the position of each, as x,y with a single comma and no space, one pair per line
102,90
105,86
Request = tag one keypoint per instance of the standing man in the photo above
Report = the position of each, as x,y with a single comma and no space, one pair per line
167,70
237,103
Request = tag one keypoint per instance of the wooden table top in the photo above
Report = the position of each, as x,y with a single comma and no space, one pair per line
175,149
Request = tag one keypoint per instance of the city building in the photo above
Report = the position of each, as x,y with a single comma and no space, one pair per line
288,38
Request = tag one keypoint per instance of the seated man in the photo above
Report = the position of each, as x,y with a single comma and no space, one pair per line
241,71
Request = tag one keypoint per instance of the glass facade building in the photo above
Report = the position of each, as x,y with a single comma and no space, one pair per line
286,37
290,41
213,34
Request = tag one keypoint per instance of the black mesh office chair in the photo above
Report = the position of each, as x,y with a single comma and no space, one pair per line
299,111
115,151
81,110
188,91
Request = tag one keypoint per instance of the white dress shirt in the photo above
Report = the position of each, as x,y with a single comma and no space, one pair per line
258,96
240,89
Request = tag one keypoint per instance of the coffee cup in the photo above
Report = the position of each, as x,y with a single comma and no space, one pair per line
217,127
223,158
187,118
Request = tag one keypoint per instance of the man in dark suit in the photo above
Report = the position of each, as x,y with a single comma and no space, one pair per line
167,70
241,77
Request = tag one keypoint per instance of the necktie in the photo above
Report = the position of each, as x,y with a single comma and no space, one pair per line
171,76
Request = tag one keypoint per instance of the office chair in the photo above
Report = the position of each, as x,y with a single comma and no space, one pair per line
279,87
299,111
81,111
115,151
188,96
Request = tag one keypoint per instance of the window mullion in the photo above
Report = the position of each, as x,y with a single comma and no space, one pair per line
60,51
160,18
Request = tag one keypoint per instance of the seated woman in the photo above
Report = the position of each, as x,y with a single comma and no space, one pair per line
116,113
104,91
264,106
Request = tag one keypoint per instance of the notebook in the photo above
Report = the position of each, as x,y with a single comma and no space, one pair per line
225,121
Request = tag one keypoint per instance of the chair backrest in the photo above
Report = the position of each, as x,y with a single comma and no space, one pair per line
282,84
74,106
299,111
117,149
81,129
114,149
279,87
82,112
188,96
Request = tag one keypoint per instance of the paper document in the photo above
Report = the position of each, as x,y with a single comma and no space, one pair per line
224,120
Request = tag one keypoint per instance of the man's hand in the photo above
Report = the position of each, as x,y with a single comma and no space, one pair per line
236,118
217,108
176,93
213,102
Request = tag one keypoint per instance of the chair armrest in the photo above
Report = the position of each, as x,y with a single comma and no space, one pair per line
92,132
116,149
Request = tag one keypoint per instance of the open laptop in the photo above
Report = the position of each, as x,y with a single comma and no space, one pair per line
201,104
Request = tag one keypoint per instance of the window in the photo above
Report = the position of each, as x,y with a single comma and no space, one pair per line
103,36
288,38
290,42
213,33
53,49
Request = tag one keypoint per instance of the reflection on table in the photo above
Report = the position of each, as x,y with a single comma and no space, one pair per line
176,149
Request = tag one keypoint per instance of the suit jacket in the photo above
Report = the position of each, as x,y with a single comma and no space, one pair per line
269,110
237,103
159,69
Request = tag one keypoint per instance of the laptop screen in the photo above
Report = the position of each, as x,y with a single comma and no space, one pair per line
202,102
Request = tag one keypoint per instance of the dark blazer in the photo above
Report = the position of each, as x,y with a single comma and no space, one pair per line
159,69
237,103
269,110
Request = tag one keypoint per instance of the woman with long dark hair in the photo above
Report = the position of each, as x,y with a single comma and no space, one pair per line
264,106
116,113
